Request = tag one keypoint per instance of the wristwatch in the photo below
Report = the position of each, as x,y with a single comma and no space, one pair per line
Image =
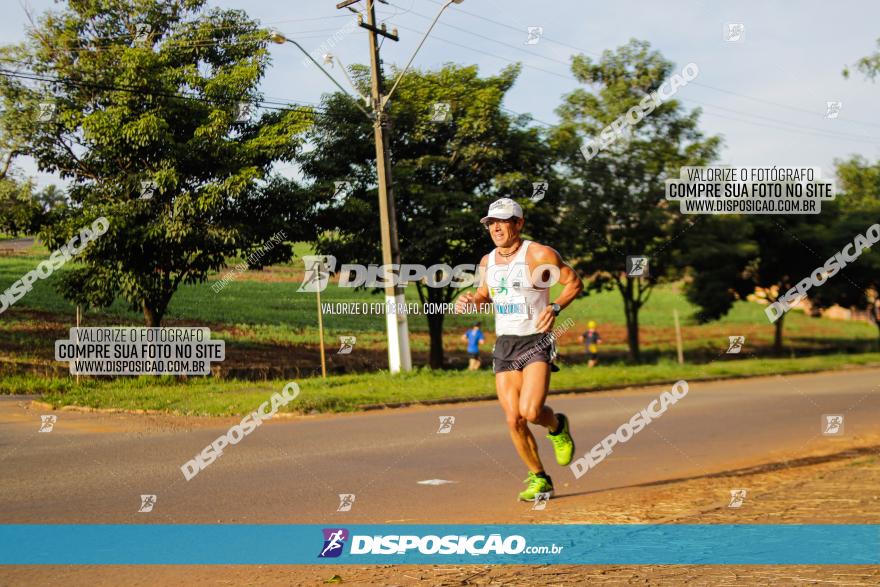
556,309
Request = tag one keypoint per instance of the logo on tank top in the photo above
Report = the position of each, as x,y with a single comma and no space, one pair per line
508,300
501,289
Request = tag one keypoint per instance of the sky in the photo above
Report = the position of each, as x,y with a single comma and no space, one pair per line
765,94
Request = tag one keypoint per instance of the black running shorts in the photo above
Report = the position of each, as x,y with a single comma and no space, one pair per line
513,353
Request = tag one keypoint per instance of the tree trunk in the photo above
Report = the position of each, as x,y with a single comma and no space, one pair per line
152,316
436,297
777,336
435,331
632,330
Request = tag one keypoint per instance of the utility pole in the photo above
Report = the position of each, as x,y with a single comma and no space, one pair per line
399,358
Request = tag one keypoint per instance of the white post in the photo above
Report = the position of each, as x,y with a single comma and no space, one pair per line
678,337
78,316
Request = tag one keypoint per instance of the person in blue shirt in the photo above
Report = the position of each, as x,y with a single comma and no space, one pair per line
474,337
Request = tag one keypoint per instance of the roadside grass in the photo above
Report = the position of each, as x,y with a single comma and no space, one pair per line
347,393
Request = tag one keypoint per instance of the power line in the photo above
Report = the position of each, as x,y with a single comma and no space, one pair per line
222,28
195,44
778,105
765,125
265,104
812,129
491,40
569,77
695,83
279,104
179,43
563,76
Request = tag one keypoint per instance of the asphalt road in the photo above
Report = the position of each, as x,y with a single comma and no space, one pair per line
93,468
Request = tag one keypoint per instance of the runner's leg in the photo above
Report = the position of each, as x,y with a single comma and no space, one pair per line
507,384
535,384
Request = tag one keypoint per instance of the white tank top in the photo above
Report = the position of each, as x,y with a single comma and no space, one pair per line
517,303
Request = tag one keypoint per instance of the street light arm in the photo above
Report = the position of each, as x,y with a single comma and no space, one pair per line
279,38
422,42
348,77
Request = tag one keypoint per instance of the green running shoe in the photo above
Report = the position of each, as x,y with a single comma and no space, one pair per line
536,485
563,444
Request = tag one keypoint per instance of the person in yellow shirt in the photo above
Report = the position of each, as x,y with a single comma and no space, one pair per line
592,340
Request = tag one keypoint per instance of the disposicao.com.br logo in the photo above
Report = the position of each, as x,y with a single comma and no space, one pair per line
452,544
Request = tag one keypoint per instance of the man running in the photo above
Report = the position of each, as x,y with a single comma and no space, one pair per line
517,275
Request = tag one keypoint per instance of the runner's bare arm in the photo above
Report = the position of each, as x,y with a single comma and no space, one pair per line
482,294
538,255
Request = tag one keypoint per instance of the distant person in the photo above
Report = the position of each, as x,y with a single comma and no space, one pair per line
592,340
474,337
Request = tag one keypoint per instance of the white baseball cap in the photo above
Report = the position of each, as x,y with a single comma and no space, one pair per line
503,209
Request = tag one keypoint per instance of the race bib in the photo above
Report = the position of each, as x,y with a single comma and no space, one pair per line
512,308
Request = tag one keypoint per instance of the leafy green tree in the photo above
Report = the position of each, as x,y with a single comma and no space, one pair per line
716,272
141,105
857,286
445,174
614,204
730,257
20,212
868,65
773,253
50,198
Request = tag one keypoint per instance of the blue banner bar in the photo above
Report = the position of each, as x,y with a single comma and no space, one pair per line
635,544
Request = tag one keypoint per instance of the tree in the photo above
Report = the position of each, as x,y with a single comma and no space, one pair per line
858,285
50,198
732,256
868,65
20,212
23,210
614,206
142,106
445,173
773,253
